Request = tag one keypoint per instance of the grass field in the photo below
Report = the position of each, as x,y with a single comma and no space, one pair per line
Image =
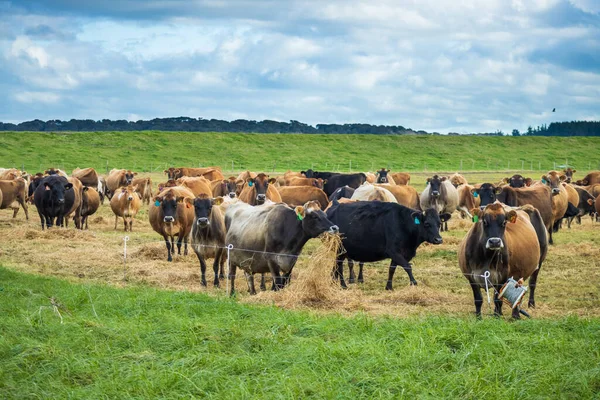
143,151
158,333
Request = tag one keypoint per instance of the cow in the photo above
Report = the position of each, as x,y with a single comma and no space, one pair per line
339,180
457,179
569,174
560,198
143,188
384,176
53,198
374,231
118,178
270,237
90,202
14,191
539,196
75,209
208,235
197,185
9,174
102,189
299,195
259,189
404,194
594,189
316,182
210,173
56,171
518,181
441,195
466,200
590,179
587,205
309,173
368,192
345,192
505,242
597,202
33,184
371,177
287,175
224,187
401,178
172,214
245,175
125,203
87,176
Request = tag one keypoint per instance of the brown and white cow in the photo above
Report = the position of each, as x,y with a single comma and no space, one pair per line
172,215
299,195
87,176
143,188
197,185
224,187
404,194
316,182
118,178
370,192
441,195
14,193
466,200
90,202
506,242
401,178
208,235
125,203
257,190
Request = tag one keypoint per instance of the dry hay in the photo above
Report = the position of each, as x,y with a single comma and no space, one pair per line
150,252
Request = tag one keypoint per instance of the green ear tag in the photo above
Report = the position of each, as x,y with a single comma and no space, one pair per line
250,184
417,221
300,218
475,194
476,218
157,203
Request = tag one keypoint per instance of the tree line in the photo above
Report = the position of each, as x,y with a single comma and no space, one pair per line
187,124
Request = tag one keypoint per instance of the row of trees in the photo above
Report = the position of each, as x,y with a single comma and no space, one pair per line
573,128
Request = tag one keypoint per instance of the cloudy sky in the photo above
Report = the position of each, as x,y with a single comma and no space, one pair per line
436,65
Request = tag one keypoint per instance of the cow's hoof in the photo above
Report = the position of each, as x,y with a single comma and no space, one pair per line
361,281
351,280
413,283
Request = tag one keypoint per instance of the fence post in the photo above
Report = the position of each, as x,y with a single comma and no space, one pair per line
350,168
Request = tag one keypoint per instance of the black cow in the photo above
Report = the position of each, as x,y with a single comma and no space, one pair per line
53,197
587,205
309,173
382,175
337,181
518,181
343,192
375,231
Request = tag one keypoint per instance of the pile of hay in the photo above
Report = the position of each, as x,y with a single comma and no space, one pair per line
150,252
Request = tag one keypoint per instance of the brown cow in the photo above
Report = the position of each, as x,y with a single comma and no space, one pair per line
172,214
224,187
316,182
75,209
371,177
597,208
457,179
11,174
594,189
401,178
466,200
118,178
287,175
404,194
506,243
560,198
384,176
125,203
299,195
210,173
243,177
257,190
590,179
87,176
572,195
143,188
197,185
14,191
569,174
90,202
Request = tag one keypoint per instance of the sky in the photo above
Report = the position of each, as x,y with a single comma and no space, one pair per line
462,66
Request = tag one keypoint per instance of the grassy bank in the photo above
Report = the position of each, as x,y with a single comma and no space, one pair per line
147,150
145,343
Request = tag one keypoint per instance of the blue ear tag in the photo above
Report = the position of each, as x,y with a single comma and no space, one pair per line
417,221
157,203
475,218
250,184
475,194
544,181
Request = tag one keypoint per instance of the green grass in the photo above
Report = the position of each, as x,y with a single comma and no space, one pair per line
142,151
149,343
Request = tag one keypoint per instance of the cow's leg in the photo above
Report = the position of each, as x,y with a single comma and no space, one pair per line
477,298
42,219
351,275
62,221
185,245
360,272
116,221
168,243
578,220
130,224
218,256
263,284
286,278
569,220
179,241
232,272
15,211
223,260
497,302
49,222
202,269
398,259
25,207
532,286
276,274
125,224
550,236
339,273
250,280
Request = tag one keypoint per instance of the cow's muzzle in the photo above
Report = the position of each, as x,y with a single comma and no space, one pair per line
61,201
555,191
438,240
130,198
334,229
261,198
232,195
494,243
203,221
168,219
435,193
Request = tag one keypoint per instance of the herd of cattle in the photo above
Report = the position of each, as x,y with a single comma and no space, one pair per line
266,221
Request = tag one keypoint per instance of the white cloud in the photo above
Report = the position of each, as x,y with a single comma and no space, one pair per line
37,97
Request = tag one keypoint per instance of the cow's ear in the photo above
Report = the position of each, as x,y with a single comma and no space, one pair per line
300,212
574,170
497,191
272,180
477,214
428,180
188,201
68,186
591,202
544,179
444,178
250,182
85,188
562,177
528,181
506,180
475,192
303,173
324,181
135,173
47,186
224,181
511,216
217,201
445,217
417,217
166,171
157,199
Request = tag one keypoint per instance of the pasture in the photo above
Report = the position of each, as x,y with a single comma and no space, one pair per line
146,328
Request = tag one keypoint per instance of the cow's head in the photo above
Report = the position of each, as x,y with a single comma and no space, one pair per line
314,220
128,176
51,171
569,174
518,181
487,193
260,184
172,173
382,175
429,222
230,187
129,192
318,182
202,208
57,190
553,179
168,202
435,185
493,219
